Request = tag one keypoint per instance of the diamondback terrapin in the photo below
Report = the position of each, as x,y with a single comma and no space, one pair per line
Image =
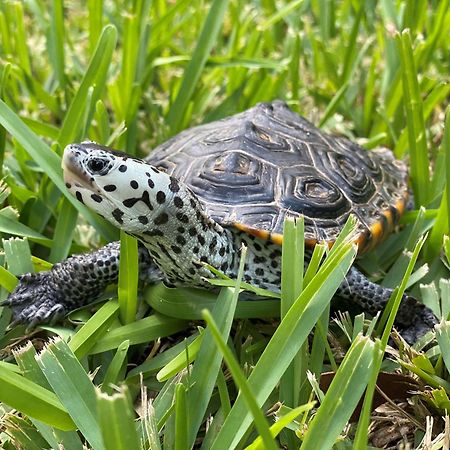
209,189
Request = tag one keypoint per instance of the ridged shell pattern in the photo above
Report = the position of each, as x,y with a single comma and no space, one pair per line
260,166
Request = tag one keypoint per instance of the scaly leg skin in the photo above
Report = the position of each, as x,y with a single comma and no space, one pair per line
413,318
46,297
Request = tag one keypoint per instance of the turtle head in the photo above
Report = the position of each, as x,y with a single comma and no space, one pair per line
151,205
128,192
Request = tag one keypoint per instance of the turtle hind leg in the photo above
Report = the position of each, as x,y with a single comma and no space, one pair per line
413,318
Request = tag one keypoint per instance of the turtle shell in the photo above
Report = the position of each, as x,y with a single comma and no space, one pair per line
254,169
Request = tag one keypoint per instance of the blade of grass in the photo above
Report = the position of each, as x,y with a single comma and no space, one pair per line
128,278
242,383
144,330
342,396
287,340
89,334
207,364
420,177
33,400
116,418
73,387
65,227
95,76
205,43
50,164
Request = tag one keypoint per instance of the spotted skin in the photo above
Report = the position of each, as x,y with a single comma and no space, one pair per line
192,218
48,296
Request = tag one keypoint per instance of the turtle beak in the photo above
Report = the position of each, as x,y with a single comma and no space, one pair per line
74,172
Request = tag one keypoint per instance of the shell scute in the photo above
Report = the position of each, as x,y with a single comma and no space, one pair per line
254,169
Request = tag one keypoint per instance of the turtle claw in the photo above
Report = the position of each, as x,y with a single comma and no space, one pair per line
35,300
415,319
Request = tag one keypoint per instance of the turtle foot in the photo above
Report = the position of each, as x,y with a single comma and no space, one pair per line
35,300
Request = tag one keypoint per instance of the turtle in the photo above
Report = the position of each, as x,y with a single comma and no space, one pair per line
201,195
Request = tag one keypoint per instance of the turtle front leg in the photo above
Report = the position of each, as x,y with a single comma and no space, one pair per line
45,297
413,318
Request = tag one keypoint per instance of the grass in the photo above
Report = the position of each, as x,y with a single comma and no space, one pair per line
132,74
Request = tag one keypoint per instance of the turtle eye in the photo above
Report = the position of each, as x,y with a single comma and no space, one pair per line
97,166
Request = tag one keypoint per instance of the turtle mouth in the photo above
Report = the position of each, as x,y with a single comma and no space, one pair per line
74,174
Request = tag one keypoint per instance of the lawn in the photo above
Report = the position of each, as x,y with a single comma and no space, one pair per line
153,370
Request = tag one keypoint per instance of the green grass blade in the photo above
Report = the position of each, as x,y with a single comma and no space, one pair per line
208,361
18,255
144,330
287,339
73,387
65,227
128,278
116,418
33,400
181,361
205,43
342,396
50,164
292,265
420,178
56,41
95,76
181,418
115,368
240,380
89,334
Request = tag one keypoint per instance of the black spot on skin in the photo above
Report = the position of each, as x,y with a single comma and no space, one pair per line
151,185
192,231
259,271
154,232
274,263
161,219
143,220
213,244
182,218
174,186
68,185
178,202
259,259
176,249
79,197
201,239
203,259
275,254
160,197
154,169
118,214
96,198
257,247
224,267
195,250
123,168
181,240
146,199
192,271
130,202
110,188
222,251
181,230
134,184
